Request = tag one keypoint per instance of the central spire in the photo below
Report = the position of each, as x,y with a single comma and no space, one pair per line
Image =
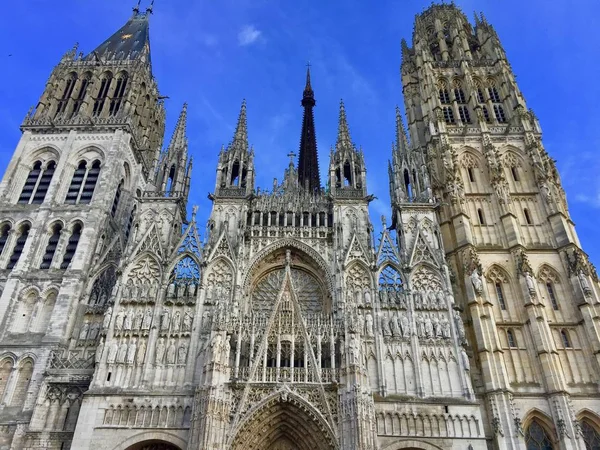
308,160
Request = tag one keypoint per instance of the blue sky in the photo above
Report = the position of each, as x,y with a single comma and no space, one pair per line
213,54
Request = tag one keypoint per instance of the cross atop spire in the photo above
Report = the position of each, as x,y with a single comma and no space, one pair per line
136,8
150,9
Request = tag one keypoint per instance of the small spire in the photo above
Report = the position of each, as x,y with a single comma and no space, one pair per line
179,139
136,8
401,138
343,137
308,86
150,9
241,130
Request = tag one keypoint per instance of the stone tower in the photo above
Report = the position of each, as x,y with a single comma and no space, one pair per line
470,323
525,287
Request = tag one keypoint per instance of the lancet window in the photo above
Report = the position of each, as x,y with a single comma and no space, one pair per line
537,438
83,183
19,245
51,246
37,183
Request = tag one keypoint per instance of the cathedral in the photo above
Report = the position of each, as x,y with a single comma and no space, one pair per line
471,322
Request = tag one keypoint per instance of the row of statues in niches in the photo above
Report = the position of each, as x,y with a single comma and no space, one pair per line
177,293
132,320
397,298
134,351
397,324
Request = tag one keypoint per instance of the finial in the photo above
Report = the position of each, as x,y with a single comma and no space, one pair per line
194,212
150,9
136,8
291,155
308,86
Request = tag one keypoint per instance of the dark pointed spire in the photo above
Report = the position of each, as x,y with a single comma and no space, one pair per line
343,137
179,139
240,137
308,160
130,42
150,9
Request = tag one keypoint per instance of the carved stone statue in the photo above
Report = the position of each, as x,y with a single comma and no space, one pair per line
187,320
99,351
171,353
94,331
147,319
182,353
420,325
585,284
437,328
139,318
176,323
428,327
369,324
165,320
131,352
112,353
530,283
445,327
405,326
476,282
107,317
354,350
216,345
141,353
395,324
460,327
385,326
119,320
122,354
160,351
127,321
465,359
83,332
226,350
367,297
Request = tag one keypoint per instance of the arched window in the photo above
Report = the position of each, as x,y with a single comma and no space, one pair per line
552,295
444,96
527,216
37,183
510,337
117,99
51,247
459,95
480,96
591,437
115,204
486,114
564,335
407,184
515,173
493,93
347,174
102,94
499,113
480,216
390,285
448,114
185,278
83,183
4,233
71,246
21,386
6,367
536,437
130,222
67,92
463,112
85,83
102,287
170,180
471,174
500,295
19,245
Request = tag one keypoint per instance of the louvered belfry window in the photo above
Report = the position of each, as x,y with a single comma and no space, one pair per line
83,183
71,246
51,247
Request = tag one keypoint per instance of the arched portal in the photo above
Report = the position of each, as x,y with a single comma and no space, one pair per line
284,424
153,445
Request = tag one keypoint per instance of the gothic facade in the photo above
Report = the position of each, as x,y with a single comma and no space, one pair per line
472,321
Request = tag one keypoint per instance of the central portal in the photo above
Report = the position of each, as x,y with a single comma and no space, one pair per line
284,424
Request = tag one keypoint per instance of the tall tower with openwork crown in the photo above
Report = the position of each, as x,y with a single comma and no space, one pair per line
526,290
470,323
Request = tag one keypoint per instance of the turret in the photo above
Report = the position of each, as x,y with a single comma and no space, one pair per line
347,171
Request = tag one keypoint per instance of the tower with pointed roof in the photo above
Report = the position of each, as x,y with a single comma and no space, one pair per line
470,323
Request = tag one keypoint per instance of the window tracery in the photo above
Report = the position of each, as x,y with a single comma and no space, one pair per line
102,287
307,288
536,437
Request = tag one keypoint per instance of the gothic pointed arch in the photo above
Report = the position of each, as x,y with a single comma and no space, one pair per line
184,276
150,242
387,251
164,440
540,433
222,248
355,251
411,444
102,285
283,415
425,278
317,259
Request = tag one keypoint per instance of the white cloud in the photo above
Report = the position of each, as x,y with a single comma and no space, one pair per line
248,35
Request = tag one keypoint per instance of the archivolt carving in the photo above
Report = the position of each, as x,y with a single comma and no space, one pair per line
434,425
283,243
146,270
219,281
